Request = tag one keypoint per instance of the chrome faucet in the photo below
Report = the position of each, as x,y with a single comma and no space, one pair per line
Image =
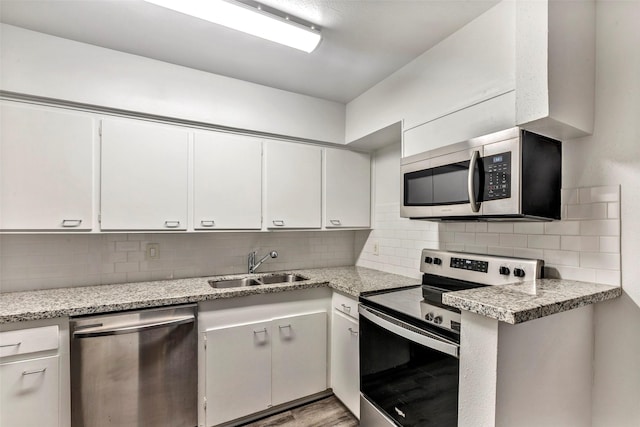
253,265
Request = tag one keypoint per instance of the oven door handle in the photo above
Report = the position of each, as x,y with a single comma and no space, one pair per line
410,332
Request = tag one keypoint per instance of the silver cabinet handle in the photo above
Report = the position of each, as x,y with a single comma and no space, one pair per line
278,222
346,308
11,345
37,371
260,331
172,224
335,222
208,223
129,329
71,223
475,206
284,326
353,332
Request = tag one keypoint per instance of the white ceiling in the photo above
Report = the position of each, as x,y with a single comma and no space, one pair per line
364,41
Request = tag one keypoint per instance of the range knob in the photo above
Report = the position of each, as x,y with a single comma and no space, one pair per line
430,316
437,320
518,272
504,271
437,261
428,260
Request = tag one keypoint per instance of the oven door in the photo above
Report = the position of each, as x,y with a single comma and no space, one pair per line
408,375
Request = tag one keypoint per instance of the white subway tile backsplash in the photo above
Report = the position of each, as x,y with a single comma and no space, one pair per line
610,244
500,227
499,251
606,227
613,210
599,194
127,246
488,239
580,243
609,277
569,196
528,228
600,260
528,253
543,242
587,211
562,227
513,240
465,238
556,257
576,273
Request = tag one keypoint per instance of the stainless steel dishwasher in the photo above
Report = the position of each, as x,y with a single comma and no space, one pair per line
135,369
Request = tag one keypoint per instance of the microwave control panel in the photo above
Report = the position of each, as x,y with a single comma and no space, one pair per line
497,176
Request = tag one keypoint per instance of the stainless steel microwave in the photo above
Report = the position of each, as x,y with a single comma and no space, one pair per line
508,175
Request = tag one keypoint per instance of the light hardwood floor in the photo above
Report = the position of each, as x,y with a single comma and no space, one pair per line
327,412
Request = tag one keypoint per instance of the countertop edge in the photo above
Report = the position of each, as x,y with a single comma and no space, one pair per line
464,300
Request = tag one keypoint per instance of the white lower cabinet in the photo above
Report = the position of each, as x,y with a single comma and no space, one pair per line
29,393
34,374
238,378
345,365
254,366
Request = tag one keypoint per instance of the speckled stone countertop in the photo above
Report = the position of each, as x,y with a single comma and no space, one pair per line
530,300
52,303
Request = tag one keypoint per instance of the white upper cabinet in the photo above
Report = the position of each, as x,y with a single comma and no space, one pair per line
227,181
144,181
46,169
347,188
293,185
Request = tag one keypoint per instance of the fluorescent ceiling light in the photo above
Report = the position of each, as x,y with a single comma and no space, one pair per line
249,19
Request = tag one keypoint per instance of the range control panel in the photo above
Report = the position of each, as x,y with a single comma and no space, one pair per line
480,268
469,264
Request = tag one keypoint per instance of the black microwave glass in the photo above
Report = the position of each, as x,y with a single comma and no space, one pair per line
442,185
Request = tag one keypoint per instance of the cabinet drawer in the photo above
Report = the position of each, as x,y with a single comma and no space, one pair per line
29,394
23,341
345,304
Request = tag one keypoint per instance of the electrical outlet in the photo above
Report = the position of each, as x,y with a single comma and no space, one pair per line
376,248
153,251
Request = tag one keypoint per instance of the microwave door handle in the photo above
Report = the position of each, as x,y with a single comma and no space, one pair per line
475,206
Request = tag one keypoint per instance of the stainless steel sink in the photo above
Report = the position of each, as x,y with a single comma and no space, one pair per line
233,283
269,279
282,278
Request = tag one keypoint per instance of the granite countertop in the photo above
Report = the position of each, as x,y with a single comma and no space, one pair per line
508,303
76,301
530,300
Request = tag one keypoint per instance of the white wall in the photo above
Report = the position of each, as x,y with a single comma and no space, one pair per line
41,65
29,262
612,156
474,64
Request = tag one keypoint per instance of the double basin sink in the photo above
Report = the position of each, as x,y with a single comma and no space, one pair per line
268,279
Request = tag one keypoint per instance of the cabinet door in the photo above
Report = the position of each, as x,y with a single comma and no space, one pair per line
345,365
144,176
46,169
348,188
238,371
293,185
29,394
227,181
299,356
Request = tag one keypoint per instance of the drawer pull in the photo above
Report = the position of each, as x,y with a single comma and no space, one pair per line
172,224
346,308
37,371
261,331
11,345
208,223
71,223
278,222
284,326
353,332
335,222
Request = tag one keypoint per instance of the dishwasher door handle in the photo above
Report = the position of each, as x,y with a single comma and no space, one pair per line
133,328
